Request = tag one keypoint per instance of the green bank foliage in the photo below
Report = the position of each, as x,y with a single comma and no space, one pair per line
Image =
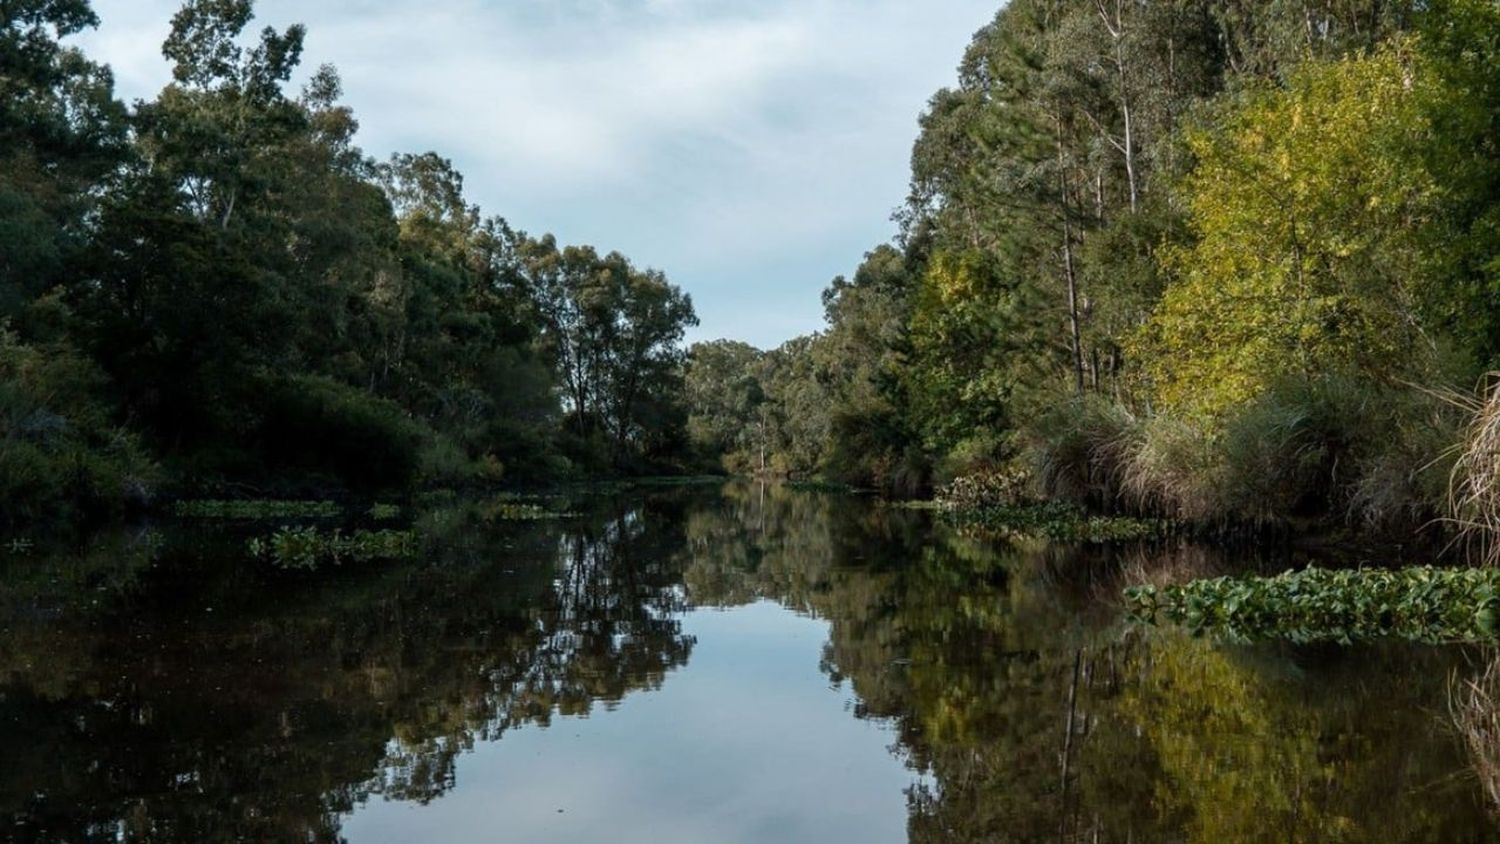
1185,259
1421,604
214,292
998,503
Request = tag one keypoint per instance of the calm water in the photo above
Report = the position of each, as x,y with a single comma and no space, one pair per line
688,665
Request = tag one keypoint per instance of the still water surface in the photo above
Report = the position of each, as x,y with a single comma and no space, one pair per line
735,664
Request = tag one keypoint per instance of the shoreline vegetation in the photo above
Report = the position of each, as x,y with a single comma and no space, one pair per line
1190,264
1165,269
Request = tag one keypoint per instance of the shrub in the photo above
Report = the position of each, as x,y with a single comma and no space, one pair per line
319,426
443,463
1002,487
1338,447
1071,445
1098,452
60,451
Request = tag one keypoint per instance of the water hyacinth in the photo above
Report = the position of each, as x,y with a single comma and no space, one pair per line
1419,604
384,512
306,547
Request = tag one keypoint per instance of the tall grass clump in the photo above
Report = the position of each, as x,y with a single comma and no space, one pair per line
1474,706
1474,485
1325,449
1103,454
1339,449
1067,449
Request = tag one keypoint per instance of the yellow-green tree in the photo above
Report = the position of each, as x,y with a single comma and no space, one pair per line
1306,206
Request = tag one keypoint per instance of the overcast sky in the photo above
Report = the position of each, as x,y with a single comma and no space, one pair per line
751,149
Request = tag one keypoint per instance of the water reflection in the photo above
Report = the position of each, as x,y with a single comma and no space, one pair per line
161,687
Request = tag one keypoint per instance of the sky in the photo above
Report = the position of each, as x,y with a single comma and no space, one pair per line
750,149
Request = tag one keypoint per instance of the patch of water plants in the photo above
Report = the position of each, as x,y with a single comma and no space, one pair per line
256,509
1055,521
1420,604
833,487
384,512
308,547
516,509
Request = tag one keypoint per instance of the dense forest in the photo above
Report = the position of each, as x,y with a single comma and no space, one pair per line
1225,261
1214,260
217,291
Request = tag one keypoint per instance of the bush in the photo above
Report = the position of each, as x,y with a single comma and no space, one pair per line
1003,487
322,427
60,452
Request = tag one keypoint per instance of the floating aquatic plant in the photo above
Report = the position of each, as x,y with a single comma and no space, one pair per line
1421,604
257,509
306,547
384,512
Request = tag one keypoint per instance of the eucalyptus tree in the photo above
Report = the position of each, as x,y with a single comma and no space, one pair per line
725,402
615,332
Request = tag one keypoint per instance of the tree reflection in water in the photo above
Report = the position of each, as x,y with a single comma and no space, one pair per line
163,688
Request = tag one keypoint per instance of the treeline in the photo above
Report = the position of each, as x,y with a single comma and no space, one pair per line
216,290
1207,258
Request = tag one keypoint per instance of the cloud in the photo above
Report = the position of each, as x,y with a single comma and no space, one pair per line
729,143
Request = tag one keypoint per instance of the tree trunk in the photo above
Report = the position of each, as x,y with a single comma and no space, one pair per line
1070,275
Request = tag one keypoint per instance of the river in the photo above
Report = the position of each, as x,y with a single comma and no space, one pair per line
707,663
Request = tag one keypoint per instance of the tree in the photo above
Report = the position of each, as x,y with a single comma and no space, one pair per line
724,397
615,333
61,132
1306,207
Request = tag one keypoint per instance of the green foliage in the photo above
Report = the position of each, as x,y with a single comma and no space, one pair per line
963,353
382,512
1055,521
60,450
256,509
267,306
1306,204
1421,604
1004,487
1462,105
1324,448
615,333
317,425
308,547
1343,448
724,397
